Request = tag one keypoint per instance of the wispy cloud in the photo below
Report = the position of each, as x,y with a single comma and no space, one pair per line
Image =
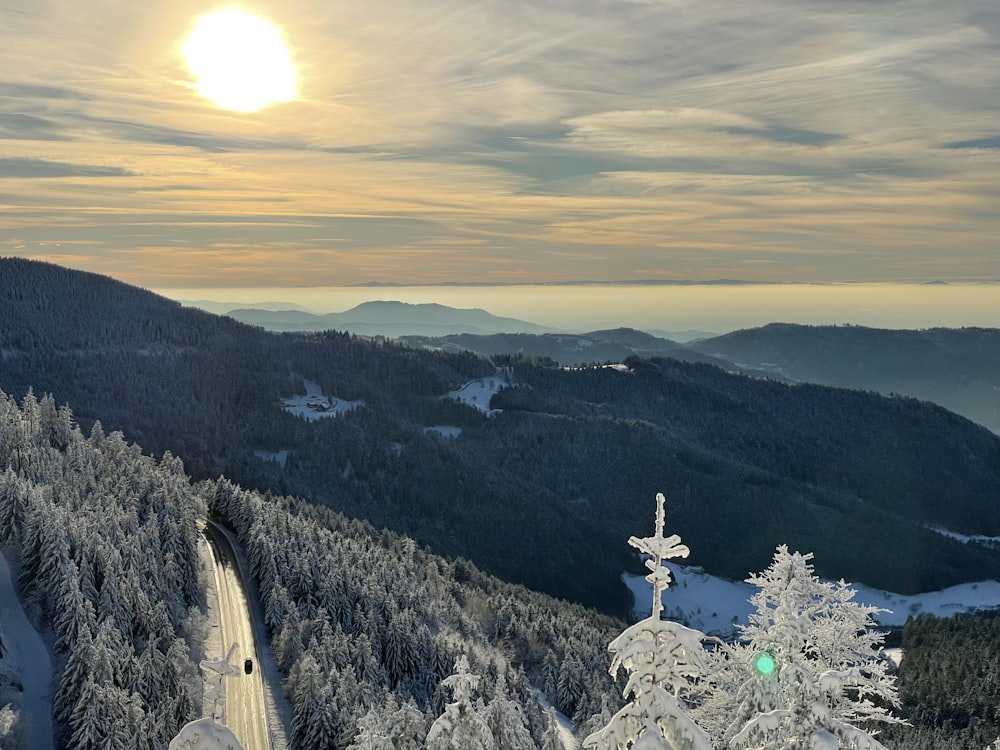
542,140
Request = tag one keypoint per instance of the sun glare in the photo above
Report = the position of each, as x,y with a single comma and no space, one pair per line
240,61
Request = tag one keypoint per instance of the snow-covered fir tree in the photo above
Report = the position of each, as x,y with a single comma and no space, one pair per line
662,658
390,726
100,533
506,720
372,734
460,727
551,739
808,670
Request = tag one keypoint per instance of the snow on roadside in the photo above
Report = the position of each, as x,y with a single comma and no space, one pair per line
315,405
715,605
563,724
26,658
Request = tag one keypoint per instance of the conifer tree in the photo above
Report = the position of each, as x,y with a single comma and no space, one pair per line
551,740
372,734
506,720
810,667
460,727
662,658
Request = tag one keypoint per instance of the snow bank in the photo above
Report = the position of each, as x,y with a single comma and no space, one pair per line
986,541
205,734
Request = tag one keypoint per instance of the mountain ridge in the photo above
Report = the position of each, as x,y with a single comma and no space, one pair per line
958,368
389,318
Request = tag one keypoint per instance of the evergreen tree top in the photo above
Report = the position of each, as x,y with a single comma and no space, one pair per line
659,548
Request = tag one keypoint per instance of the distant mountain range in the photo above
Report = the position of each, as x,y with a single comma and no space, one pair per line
595,347
388,318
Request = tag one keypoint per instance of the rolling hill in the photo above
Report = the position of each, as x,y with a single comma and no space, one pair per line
958,368
388,318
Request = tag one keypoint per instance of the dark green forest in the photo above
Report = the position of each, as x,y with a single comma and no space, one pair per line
949,682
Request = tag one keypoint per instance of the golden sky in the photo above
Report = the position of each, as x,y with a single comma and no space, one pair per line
509,141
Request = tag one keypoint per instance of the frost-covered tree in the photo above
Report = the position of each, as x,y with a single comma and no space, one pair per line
507,721
661,658
551,739
390,726
371,734
403,724
809,669
11,735
460,727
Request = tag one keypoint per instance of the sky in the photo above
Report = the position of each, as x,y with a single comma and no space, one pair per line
510,141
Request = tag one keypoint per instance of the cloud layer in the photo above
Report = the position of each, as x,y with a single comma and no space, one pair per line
508,140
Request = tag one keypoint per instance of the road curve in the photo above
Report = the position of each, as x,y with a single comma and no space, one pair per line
245,713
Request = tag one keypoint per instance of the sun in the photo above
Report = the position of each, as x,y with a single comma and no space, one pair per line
240,61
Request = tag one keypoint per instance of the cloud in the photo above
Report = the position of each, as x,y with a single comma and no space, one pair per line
517,138
40,169
976,143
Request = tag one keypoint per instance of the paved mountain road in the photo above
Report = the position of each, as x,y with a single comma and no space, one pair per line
245,713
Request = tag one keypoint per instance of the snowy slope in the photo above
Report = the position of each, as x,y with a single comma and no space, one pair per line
715,605
25,658
477,393
315,405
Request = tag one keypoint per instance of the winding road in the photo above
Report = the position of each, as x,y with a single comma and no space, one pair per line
245,713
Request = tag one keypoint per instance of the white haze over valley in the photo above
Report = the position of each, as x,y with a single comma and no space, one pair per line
708,308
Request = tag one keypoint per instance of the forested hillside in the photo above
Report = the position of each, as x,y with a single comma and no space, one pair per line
366,625
949,682
363,622
106,543
958,368
755,463
824,469
354,614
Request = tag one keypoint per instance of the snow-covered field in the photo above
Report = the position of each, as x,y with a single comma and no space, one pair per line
715,605
477,393
315,405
